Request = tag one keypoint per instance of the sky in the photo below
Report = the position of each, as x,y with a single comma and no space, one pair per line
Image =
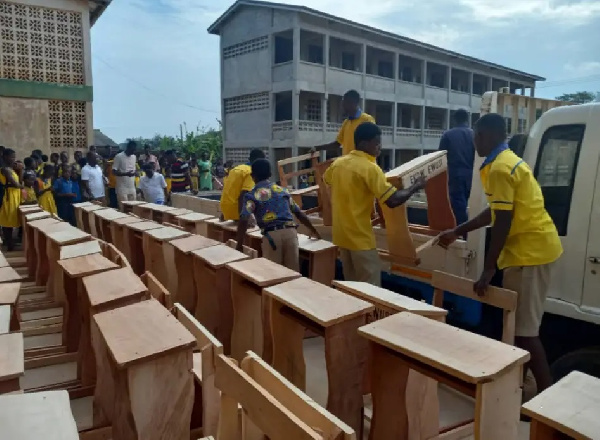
155,67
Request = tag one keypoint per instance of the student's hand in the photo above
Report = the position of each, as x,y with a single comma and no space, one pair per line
446,238
315,234
251,222
221,218
419,184
484,281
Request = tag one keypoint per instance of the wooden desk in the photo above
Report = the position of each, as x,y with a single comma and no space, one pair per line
229,230
103,218
568,409
152,211
117,232
31,252
73,270
39,415
134,249
80,249
40,231
128,206
214,309
488,370
144,346
194,223
79,213
29,216
158,258
103,291
9,275
321,256
181,281
251,323
9,296
12,362
254,240
171,216
303,304
88,223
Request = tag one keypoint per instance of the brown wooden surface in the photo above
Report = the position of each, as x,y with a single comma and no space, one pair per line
108,287
192,243
219,256
263,272
166,233
12,361
80,249
86,265
9,275
157,290
439,213
9,293
144,226
67,235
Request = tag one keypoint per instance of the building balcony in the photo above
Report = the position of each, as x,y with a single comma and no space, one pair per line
408,132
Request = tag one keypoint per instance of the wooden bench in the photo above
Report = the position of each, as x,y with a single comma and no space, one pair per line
214,307
111,252
103,219
117,232
134,248
304,304
251,322
195,223
205,415
9,297
128,206
34,416
157,290
142,346
487,370
271,406
12,363
158,258
182,280
171,215
567,410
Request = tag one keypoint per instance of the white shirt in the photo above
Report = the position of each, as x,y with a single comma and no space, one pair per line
153,187
95,179
124,164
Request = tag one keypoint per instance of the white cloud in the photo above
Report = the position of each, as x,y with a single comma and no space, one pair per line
583,68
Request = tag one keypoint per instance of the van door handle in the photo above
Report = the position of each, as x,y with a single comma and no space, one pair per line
594,260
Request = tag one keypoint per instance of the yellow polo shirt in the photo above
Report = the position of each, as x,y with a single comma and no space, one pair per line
346,135
356,181
509,185
238,180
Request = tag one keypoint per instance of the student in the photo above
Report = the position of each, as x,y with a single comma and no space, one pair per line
28,196
205,173
148,157
524,241
179,172
43,189
111,183
9,212
75,166
153,186
92,179
356,181
219,173
30,164
55,160
273,207
124,168
76,184
237,184
65,196
64,161
354,117
194,174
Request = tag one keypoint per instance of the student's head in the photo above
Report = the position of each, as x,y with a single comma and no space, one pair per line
130,148
9,157
29,178
30,163
146,149
148,169
203,156
489,132
77,156
170,157
66,171
461,117
92,158
54,157
64,157
44,158
92,148
219,161
255,155
351,102
36,153
48,171
367,138
261,170
229,164
37,160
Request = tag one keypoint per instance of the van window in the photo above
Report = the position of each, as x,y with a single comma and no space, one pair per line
555,170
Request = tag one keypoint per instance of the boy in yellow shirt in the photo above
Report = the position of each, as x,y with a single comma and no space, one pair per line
524,241
356,181
236,185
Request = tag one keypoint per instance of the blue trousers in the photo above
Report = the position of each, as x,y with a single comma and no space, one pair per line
460,191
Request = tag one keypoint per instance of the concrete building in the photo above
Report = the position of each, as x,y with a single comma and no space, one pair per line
46,74
285,68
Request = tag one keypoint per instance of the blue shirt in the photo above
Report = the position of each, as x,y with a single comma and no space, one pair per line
76,191
62,186
271,204
458,142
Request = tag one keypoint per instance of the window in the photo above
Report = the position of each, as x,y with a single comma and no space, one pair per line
348,61
315,54
284,49
386,69
555,170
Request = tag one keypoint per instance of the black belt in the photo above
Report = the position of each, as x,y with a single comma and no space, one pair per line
265,233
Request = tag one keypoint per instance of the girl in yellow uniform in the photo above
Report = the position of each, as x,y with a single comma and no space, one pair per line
43,189
194,174
28,196
9,212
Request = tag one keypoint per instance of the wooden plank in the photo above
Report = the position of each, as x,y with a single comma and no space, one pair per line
202,335
157,290
9,293
8,275
467,356
426,165
218,256
307,244
5,313
44,361
262,272
144,226
86,265
77,250
106,288
193,243
67,236
195,217
110,214
321,304
12,363
296,159
166,233
97,434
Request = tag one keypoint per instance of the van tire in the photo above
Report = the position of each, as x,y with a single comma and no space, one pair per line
586,360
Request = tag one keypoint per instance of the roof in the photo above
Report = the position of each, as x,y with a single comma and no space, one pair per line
97,7
101,140
216,27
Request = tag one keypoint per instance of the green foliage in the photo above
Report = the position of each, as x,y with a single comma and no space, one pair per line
578,98
201,140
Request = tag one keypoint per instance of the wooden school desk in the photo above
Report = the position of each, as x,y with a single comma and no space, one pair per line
303,304
251,323
117,232
129,205
144,345
41,246
29,216
134,248
87,220
9,296
171,216
12,362
158,258
77,207
31,252
181,281
195,223
321,256
152,211
214,308
103,218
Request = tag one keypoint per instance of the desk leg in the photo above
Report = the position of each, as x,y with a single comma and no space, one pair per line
153,400
207,301
539,431
346,354
41,273
72,314
182,282
168,269
86,367
225,304
288,354
247,333
136,252
30,251
106,232
104,393
85,221
53,254
322,266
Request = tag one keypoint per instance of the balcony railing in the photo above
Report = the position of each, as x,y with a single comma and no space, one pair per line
387,131
408,132
310,126
282,126
333,127
429,133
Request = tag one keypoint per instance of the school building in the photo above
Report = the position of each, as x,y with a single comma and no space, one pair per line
46,74
284,70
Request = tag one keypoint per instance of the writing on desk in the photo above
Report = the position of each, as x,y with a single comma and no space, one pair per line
427,170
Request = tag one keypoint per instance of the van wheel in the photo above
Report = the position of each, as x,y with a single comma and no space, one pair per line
586,360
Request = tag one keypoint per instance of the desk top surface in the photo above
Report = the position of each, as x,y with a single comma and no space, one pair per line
39,415
12,359
144,226
29,208
179,211
115,285
166,233
37,216
219,255
158,208
86,265
195,217
67,236
193,243
110,214
3,261
128,219
263,272
571,406
93,207
8,274
379,296
305,243
133,203
79,249
9,293
82,204
142,331
319,303
468,356
43,223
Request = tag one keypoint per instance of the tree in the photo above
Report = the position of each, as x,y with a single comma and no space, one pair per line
578,98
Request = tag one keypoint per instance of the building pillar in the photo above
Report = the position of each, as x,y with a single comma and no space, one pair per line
447,119
449,79
394,121
490,84
470,91
296,50
532,91
364,69
424,67
326,59
324,105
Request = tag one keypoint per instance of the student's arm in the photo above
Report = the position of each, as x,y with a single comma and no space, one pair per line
483,219
10,180
303,218
85,185
163,183
385,192
247,186
335,145
401,196
444,143
246,212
